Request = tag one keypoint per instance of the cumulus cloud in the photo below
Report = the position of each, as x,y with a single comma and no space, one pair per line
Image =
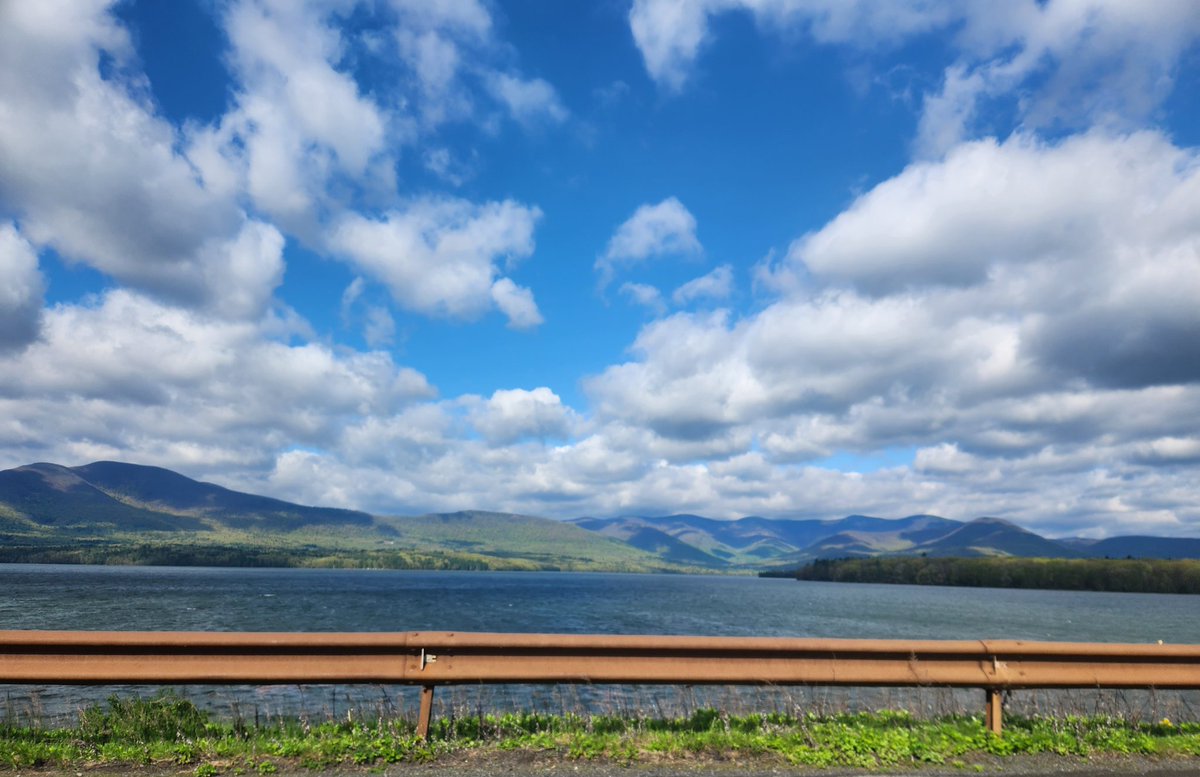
666,228
132,378
669,35
1076,64
517,303
654,230
1006,270
645,295
420,461
380,328
1016,310
439,256
1095,63
465,16
716,285
1018,202
529,101
298,121
436,63
94,173
1013,311
21,288
455,61
1090,236
511,415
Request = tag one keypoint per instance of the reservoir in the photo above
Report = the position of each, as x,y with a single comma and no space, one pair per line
208,599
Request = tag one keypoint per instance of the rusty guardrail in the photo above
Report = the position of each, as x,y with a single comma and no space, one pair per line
430,659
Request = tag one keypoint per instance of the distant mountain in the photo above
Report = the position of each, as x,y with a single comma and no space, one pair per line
52,496
651,540
546,542
866,536
131,497
756,542
111,511
994,537
1136,546
762,543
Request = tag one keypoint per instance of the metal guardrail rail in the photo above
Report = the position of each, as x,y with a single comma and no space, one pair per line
430,659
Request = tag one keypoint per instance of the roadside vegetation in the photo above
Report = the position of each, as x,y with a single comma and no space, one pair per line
170,730
1119,575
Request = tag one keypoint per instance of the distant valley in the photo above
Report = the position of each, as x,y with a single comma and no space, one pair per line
110,512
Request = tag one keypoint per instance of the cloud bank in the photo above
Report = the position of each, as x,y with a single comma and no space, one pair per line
1004,324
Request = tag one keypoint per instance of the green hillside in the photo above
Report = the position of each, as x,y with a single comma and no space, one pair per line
111,512
545,542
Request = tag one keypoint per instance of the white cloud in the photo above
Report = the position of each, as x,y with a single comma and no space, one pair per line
243,272
380,327
439,257
444,165
512,415
21,288
1074,63
436,63
1090,237
1006,270
94,173
463,16
645,295
517,303
1018,312
455,60
132,377
350,297
945,458
529,101
716,285
669,33
990,204
653,230
298,121
1099,62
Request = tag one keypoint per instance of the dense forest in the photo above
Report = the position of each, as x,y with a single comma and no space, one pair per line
1126,575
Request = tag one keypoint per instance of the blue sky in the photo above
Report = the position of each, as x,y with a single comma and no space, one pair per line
735,257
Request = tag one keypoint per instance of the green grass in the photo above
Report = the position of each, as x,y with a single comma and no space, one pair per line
167,729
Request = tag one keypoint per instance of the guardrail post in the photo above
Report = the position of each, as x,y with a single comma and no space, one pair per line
426,713
993,715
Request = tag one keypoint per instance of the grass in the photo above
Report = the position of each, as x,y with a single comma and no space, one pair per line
168,729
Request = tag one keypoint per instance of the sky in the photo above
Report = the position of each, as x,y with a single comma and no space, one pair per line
788,258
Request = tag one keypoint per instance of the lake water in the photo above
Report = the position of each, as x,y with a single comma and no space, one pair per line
203,599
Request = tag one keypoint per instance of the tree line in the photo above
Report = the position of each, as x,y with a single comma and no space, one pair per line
1121,575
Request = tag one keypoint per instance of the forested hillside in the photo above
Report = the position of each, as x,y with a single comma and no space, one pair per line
1125,575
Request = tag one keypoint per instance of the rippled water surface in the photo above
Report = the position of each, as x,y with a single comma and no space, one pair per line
159,598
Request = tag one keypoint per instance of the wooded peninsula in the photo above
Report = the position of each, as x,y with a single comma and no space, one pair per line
1120,575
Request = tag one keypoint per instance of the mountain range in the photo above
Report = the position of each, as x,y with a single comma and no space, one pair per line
100,511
